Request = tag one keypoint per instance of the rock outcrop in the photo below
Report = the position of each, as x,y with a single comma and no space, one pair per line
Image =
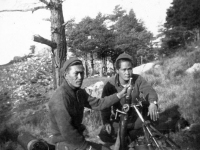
194,68
143,68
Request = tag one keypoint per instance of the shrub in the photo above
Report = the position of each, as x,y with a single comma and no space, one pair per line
8,132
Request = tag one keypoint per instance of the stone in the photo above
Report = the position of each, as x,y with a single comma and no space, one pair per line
194,68
143,68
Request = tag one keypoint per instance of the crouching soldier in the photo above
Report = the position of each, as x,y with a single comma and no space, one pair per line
141,89
67,107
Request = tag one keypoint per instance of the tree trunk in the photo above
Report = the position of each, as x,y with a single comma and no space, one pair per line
92,63
86,66
104,66
185,41
198,34
101,70
141,60
58,37
54,71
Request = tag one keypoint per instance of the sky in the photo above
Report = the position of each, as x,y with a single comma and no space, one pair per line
18,28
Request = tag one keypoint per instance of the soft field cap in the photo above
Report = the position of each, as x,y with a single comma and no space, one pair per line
124,56
68,62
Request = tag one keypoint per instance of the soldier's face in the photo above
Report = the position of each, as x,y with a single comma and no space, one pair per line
75,76
125,71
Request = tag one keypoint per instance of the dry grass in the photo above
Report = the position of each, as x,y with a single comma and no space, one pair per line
176,88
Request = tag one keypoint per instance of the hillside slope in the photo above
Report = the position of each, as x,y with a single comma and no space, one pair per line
25,88
24,91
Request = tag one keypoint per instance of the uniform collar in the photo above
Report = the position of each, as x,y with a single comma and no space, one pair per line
66,86
117,83
117,80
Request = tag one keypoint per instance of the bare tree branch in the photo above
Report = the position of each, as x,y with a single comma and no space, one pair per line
65,23
39,39
61,1
25,10
69,21
45,2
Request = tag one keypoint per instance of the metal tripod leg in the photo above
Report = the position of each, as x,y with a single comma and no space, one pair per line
152,137
147,139
169,141
146,126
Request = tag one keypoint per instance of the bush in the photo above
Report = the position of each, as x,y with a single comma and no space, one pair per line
8,133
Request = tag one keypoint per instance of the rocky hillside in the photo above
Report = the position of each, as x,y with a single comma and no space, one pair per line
24,89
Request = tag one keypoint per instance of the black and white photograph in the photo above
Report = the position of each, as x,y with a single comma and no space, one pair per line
100,75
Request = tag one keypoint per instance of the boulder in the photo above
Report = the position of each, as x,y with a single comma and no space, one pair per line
143,68
157,66
194,68
95,90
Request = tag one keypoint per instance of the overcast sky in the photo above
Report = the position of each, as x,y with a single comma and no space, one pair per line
17,28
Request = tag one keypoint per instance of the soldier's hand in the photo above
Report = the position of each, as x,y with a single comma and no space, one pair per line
153,112
122,93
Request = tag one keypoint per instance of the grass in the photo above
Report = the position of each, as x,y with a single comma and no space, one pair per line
177,88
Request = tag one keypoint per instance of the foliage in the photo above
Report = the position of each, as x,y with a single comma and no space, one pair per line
131,35
175,38
90,36
181,27
184,13
110,35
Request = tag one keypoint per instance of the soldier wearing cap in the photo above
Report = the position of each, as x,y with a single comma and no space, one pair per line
124,65
67,106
